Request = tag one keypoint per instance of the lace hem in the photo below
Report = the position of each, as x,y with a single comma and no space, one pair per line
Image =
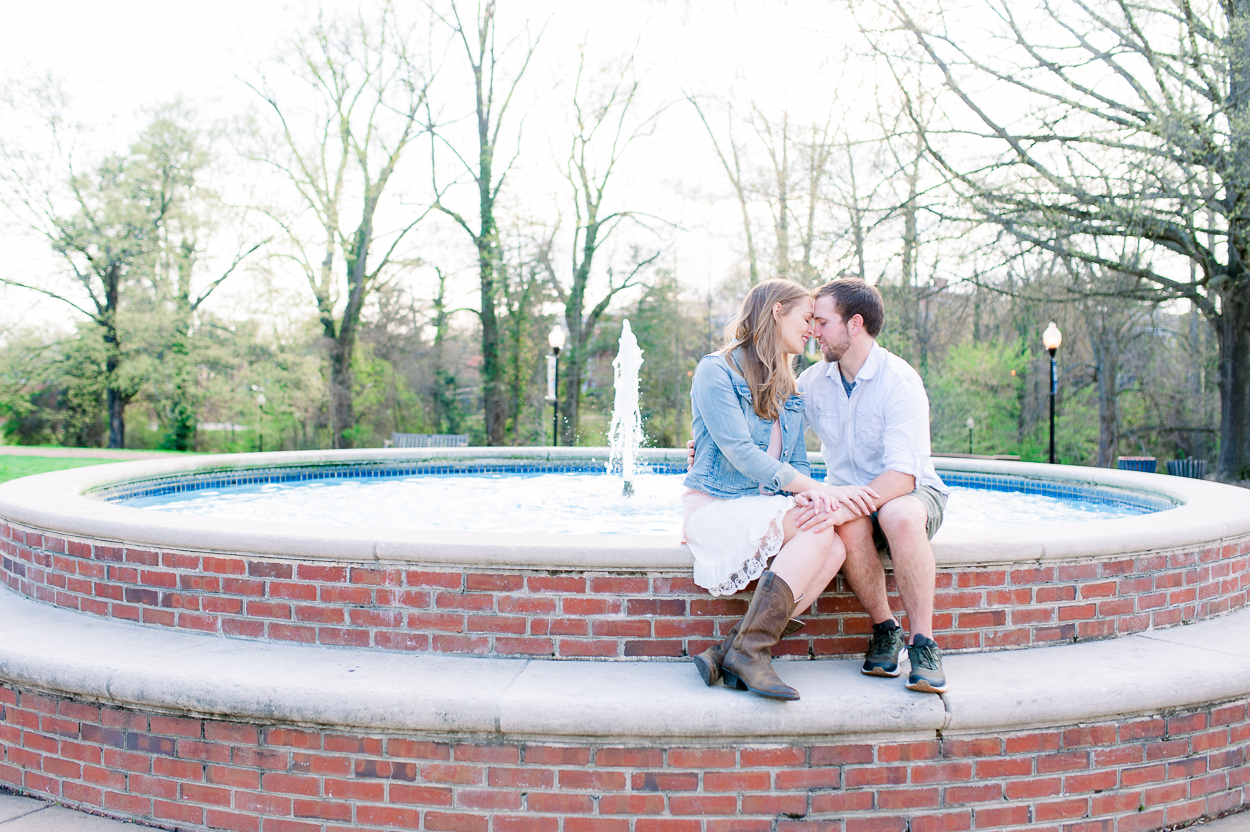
770,545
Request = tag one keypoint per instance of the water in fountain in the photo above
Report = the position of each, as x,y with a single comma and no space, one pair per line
625,433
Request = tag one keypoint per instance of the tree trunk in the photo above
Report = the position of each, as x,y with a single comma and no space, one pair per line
907,281
782,169
857,216
570,405
580,331
753,269
493,388
117,417
342,382
1232,327
1233,337
342,416
443,401
112,345
1106,368
494,391
571,369
180,412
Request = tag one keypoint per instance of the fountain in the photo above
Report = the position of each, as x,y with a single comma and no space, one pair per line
625,433
244,674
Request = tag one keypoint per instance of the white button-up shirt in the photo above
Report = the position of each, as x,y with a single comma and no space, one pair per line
882,426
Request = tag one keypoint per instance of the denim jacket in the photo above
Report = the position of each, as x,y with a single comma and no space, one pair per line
731,442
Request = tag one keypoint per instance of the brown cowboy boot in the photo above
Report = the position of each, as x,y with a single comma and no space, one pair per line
709,661
748,662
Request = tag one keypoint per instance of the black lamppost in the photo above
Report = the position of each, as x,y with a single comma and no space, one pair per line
1051,339
556,339
971,424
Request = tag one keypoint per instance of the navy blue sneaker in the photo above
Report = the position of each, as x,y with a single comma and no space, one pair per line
926,674
882,656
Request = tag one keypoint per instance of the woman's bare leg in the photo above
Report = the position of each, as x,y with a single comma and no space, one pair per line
808,561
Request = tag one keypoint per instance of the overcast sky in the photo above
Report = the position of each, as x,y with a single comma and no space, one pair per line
118,57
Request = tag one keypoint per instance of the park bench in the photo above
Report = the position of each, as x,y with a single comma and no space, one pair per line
426,440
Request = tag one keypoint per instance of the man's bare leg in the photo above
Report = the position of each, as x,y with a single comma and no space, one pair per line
863,571
903,521
867,579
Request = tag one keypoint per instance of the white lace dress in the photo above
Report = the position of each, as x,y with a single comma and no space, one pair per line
733,540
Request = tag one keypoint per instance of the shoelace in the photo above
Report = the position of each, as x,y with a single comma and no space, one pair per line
882,642
926,656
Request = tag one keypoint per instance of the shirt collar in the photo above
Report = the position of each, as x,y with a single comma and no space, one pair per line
872,363
876,355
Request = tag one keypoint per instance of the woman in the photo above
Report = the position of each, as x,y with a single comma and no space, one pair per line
749,479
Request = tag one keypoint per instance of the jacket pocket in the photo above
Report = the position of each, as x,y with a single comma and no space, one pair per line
741,388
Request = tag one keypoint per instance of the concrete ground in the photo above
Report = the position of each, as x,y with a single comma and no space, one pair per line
25,814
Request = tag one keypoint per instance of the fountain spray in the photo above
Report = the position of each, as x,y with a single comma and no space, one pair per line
625,432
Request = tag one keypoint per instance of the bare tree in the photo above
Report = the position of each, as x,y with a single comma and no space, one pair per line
791,185
1133,148
130,228
817,154
851,192
733,165
339,154
1113,322
525,288
604,132
777,141
794,188
493,93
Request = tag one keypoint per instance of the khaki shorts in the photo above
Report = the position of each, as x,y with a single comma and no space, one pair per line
934,503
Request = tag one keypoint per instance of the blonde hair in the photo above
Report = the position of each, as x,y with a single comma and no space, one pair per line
764,363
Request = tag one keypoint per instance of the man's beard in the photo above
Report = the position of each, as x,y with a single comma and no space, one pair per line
832,353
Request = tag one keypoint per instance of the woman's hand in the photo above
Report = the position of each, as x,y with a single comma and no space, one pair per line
815,501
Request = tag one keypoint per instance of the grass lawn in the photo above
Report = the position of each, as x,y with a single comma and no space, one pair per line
12,467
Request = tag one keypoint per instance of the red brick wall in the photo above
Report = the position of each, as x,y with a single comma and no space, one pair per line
516,612
1136,774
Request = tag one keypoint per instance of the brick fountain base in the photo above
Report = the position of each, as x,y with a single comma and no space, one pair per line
354,702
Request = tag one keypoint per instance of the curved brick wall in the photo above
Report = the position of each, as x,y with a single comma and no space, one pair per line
1141,773
596,614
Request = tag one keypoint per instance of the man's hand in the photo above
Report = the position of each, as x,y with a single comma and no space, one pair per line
810,520
862,499
817,501
690,453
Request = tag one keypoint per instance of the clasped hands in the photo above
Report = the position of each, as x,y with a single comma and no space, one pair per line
830,505
821,508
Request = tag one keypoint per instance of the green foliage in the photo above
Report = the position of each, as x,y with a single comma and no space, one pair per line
982,381
669,357
382,400
1076,430
53,393
448,413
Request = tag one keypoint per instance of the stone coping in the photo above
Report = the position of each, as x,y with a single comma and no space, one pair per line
1208,513
179,673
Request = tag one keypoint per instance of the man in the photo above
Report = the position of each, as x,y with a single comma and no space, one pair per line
870,411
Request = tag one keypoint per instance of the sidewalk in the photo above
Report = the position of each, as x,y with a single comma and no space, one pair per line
25,814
